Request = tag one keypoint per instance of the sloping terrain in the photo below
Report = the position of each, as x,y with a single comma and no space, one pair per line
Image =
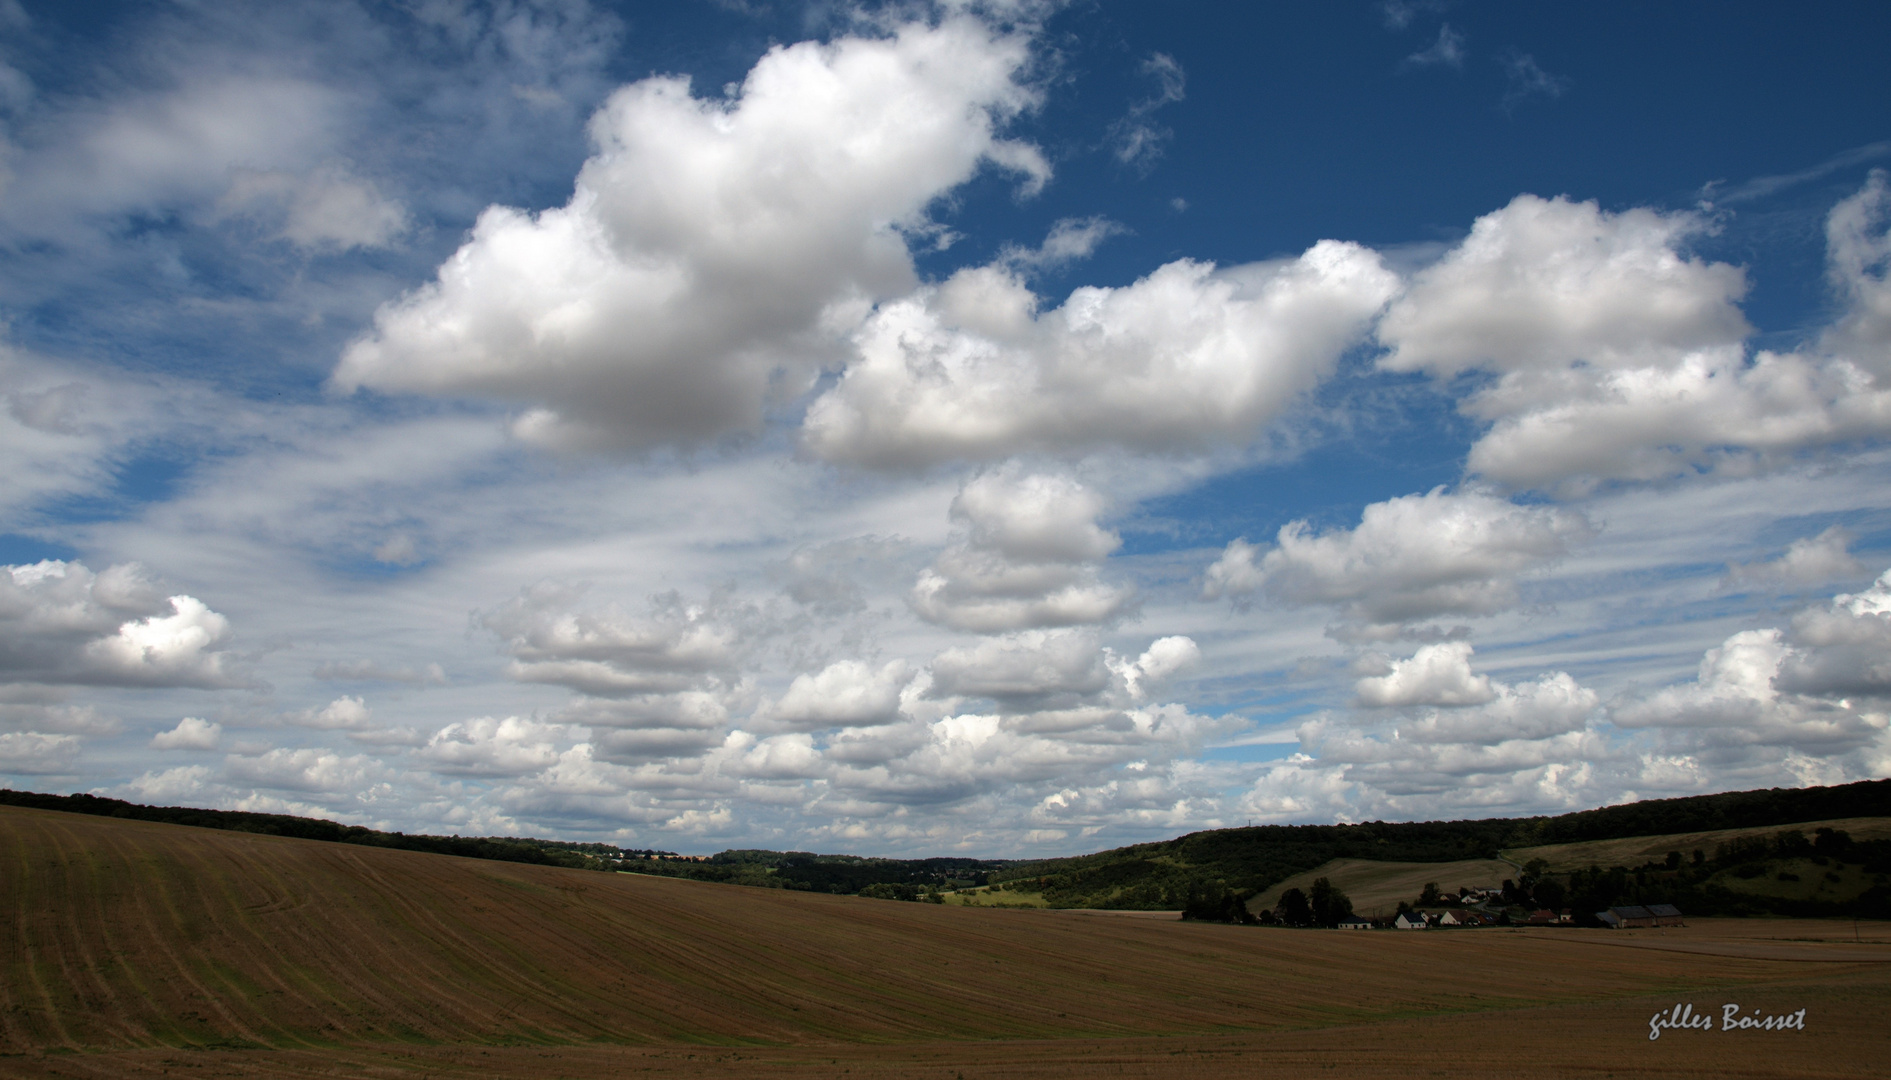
1636,850
1164,874
1376,888
133,948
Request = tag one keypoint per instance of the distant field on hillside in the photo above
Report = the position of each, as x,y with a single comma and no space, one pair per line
1379,886
1375,886
139,949
1634,851
996,899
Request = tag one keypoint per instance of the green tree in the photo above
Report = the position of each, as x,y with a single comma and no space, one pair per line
1329,904
1213,901
1550,893
1428,896
1293,908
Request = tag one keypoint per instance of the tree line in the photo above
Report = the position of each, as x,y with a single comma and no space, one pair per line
1204,872
1169,874
580,856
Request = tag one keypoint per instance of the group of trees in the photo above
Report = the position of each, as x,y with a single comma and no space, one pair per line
1252,860
1695,882
881,890
502,848
1213,901
1210,875
1323,904
1700,884
1703,884
848,875
1707,813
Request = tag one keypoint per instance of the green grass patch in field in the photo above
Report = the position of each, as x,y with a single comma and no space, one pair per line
988,898
1797,879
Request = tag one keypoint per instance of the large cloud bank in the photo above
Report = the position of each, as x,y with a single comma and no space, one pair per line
1803,704
976,648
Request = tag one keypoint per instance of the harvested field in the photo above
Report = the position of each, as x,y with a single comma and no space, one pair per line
136,949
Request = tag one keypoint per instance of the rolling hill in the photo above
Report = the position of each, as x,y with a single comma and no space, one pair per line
1636,850
1251,860
1154,876
137,948
1376,888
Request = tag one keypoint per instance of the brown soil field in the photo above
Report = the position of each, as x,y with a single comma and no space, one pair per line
1634,851
139,949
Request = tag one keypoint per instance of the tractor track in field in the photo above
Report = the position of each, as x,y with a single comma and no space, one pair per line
127,944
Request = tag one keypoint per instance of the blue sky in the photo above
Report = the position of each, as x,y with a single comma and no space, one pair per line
1009,428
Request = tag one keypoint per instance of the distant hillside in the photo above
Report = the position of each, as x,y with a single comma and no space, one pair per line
1162,875
1153,877
1796,869
1636,850
1376,888
847,875
576,856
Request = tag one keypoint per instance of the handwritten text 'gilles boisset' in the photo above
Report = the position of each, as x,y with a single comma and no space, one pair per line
1682,1016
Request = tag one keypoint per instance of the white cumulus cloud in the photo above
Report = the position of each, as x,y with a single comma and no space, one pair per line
1809,560
62,624
34,752
847,693
1844,648
1025,669
1028,554
1412,557
1185,358
191,733
1546,283
488,746
306,769
678,646
714,247
1619,357
1437,674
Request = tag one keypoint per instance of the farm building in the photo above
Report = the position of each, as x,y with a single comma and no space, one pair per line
1666,915
1619,918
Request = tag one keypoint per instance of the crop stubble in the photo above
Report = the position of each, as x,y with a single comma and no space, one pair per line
135,948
